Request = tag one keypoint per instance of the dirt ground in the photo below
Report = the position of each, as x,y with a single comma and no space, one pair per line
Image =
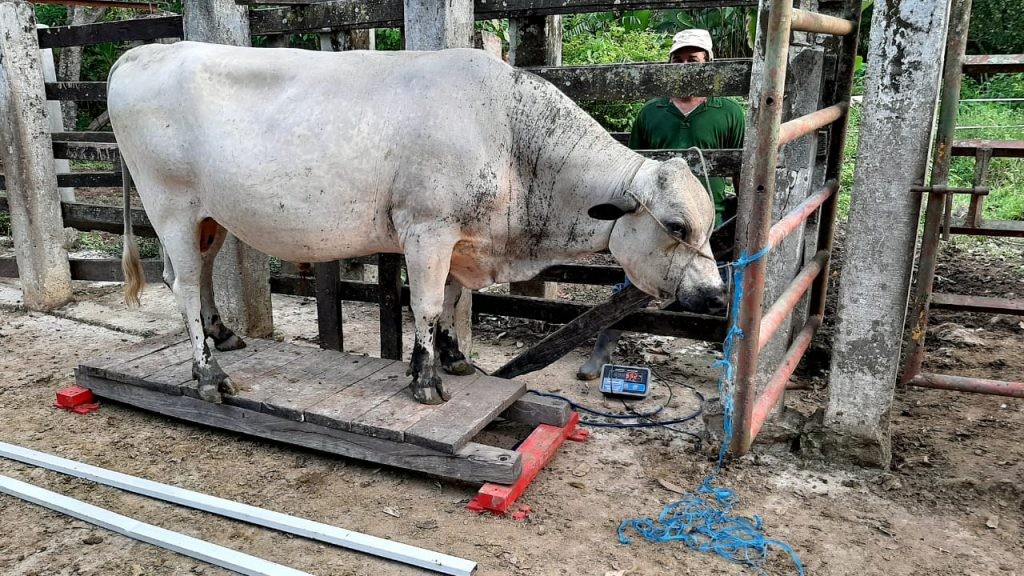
953,502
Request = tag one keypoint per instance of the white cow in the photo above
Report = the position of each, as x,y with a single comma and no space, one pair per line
479,173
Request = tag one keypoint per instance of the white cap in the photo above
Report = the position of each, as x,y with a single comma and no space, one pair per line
694,37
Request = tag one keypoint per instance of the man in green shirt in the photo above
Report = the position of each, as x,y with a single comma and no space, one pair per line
677,123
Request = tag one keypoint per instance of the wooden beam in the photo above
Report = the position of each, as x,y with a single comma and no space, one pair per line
144,6
637,82
96,151
77,91
137,29
107,137
93,270
348,14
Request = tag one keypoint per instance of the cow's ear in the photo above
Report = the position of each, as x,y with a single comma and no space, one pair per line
610,211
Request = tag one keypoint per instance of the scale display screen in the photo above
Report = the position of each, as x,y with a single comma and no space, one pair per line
625,380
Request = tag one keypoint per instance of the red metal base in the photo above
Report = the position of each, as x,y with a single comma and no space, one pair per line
537,450
962,384
76,399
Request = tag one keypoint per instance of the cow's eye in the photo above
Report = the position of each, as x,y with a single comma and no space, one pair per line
678,229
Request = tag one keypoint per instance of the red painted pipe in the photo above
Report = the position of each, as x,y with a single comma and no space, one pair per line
804,125
964,384
777,314
777,385
801,213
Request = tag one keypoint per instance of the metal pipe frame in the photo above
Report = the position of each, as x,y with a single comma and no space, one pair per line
797,216
804,125
805,21
960,18
790,297
777,385
975,191
759,184
962,384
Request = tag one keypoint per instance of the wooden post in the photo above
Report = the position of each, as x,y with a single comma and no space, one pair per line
55,118
389,282
328,306
241,275
26,151
436,25
535,41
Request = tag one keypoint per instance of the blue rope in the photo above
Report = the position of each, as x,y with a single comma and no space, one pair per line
703,519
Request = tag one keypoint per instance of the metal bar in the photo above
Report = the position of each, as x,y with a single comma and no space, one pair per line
1000,148
1004,228
847,65
988,126
975,191
959,21
962,384
790,297
970,100
1013,306
991,63
132,528
801,213
275,520
804,125
805,21
777,385
759,186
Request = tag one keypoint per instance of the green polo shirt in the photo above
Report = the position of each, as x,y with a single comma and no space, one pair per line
716,123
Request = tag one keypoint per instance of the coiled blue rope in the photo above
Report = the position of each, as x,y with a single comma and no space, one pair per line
703,519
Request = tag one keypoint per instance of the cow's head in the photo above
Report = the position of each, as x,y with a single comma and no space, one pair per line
662,226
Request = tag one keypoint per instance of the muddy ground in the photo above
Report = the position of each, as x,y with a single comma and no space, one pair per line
953,502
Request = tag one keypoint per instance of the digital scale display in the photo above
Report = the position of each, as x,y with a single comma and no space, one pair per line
625,380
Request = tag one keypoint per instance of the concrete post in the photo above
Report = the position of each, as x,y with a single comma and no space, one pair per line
55,117
26,151
241,276
436,25
905,58
535,41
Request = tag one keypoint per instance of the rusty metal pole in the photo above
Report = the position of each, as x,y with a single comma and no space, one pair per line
758,182
956,43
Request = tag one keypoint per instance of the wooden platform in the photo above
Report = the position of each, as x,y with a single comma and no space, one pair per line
355,406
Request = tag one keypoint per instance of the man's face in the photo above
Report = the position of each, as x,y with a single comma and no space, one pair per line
687,55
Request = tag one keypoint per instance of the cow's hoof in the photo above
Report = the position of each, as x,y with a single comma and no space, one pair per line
228,387
232,342
433,392
211,382
459,368
210,393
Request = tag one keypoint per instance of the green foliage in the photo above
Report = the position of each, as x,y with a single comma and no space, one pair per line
51,14
849,161
389,39
5,223
997,27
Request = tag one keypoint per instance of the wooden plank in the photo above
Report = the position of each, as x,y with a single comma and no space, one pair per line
328,305
455,422
474,463
993,63
389,281
338,411
575,333
107,137
180,374
1005,228
94,270
349,14
391,418
77,91
97,151
1000,148
87,217
249,379
326,374
89,180
98,366
984,304
136,29
638,82
534,410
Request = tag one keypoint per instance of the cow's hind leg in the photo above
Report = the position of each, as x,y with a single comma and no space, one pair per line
211,238
184,254
428,270
452,359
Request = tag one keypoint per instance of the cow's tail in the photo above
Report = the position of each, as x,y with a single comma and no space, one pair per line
131,265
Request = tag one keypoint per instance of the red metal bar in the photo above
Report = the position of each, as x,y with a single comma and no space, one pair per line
978,304
758,182
804,125
800,214
777,314
777,385
537,450
990,63
805,21
962,384
1000,148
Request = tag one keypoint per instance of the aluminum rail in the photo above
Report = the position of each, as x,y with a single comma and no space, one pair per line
790,297
167,539
777,385
389,549
804,125
805,21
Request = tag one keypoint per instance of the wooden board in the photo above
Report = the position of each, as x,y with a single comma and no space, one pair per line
362,396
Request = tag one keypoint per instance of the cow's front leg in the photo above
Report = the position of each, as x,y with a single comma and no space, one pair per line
452,359
428,270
